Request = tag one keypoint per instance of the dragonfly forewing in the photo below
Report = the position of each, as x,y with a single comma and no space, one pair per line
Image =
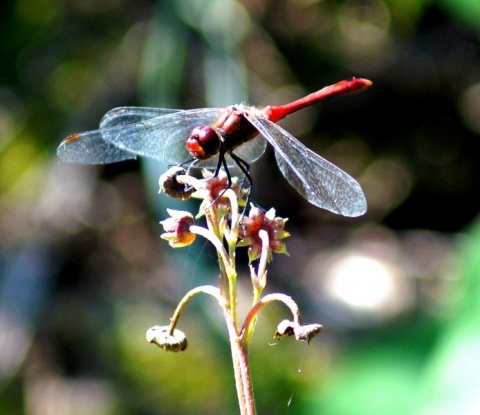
162,138
91,148
132,115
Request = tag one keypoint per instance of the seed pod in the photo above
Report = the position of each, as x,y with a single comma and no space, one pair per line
301,332
170,185
307,332
285,327
176,342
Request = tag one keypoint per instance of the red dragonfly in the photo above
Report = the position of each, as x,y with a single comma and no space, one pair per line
223,137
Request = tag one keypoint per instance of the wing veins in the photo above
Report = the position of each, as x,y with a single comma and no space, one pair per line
342,195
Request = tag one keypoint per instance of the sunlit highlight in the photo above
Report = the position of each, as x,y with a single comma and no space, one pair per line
365,283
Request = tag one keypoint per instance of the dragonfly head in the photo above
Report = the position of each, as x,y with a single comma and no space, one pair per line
203,142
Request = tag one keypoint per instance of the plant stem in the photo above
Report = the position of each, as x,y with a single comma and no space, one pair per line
228,292
206,289
241,370
270,298
226,268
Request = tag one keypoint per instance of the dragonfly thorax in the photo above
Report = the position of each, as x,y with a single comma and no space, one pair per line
234,128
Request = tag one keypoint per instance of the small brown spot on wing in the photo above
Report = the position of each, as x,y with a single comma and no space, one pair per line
116,111
70,138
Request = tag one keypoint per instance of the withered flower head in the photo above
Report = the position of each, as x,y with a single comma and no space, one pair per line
212,187
251,226
173,186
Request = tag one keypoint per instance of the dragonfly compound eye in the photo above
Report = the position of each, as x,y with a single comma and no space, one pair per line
203,143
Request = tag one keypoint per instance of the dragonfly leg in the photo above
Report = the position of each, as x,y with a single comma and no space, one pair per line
223,163
245,169
191,162
243,166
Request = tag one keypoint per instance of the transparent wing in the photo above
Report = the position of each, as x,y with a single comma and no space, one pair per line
131,115
162,138
250,151
91,148
319,181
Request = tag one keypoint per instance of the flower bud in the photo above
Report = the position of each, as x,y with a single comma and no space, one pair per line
177,228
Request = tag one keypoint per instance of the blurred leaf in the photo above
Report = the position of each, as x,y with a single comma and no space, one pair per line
376,381
453,376
467,10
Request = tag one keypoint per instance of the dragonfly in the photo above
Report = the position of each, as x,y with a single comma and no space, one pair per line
216,138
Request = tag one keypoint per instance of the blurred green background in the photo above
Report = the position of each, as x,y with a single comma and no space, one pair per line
83,272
